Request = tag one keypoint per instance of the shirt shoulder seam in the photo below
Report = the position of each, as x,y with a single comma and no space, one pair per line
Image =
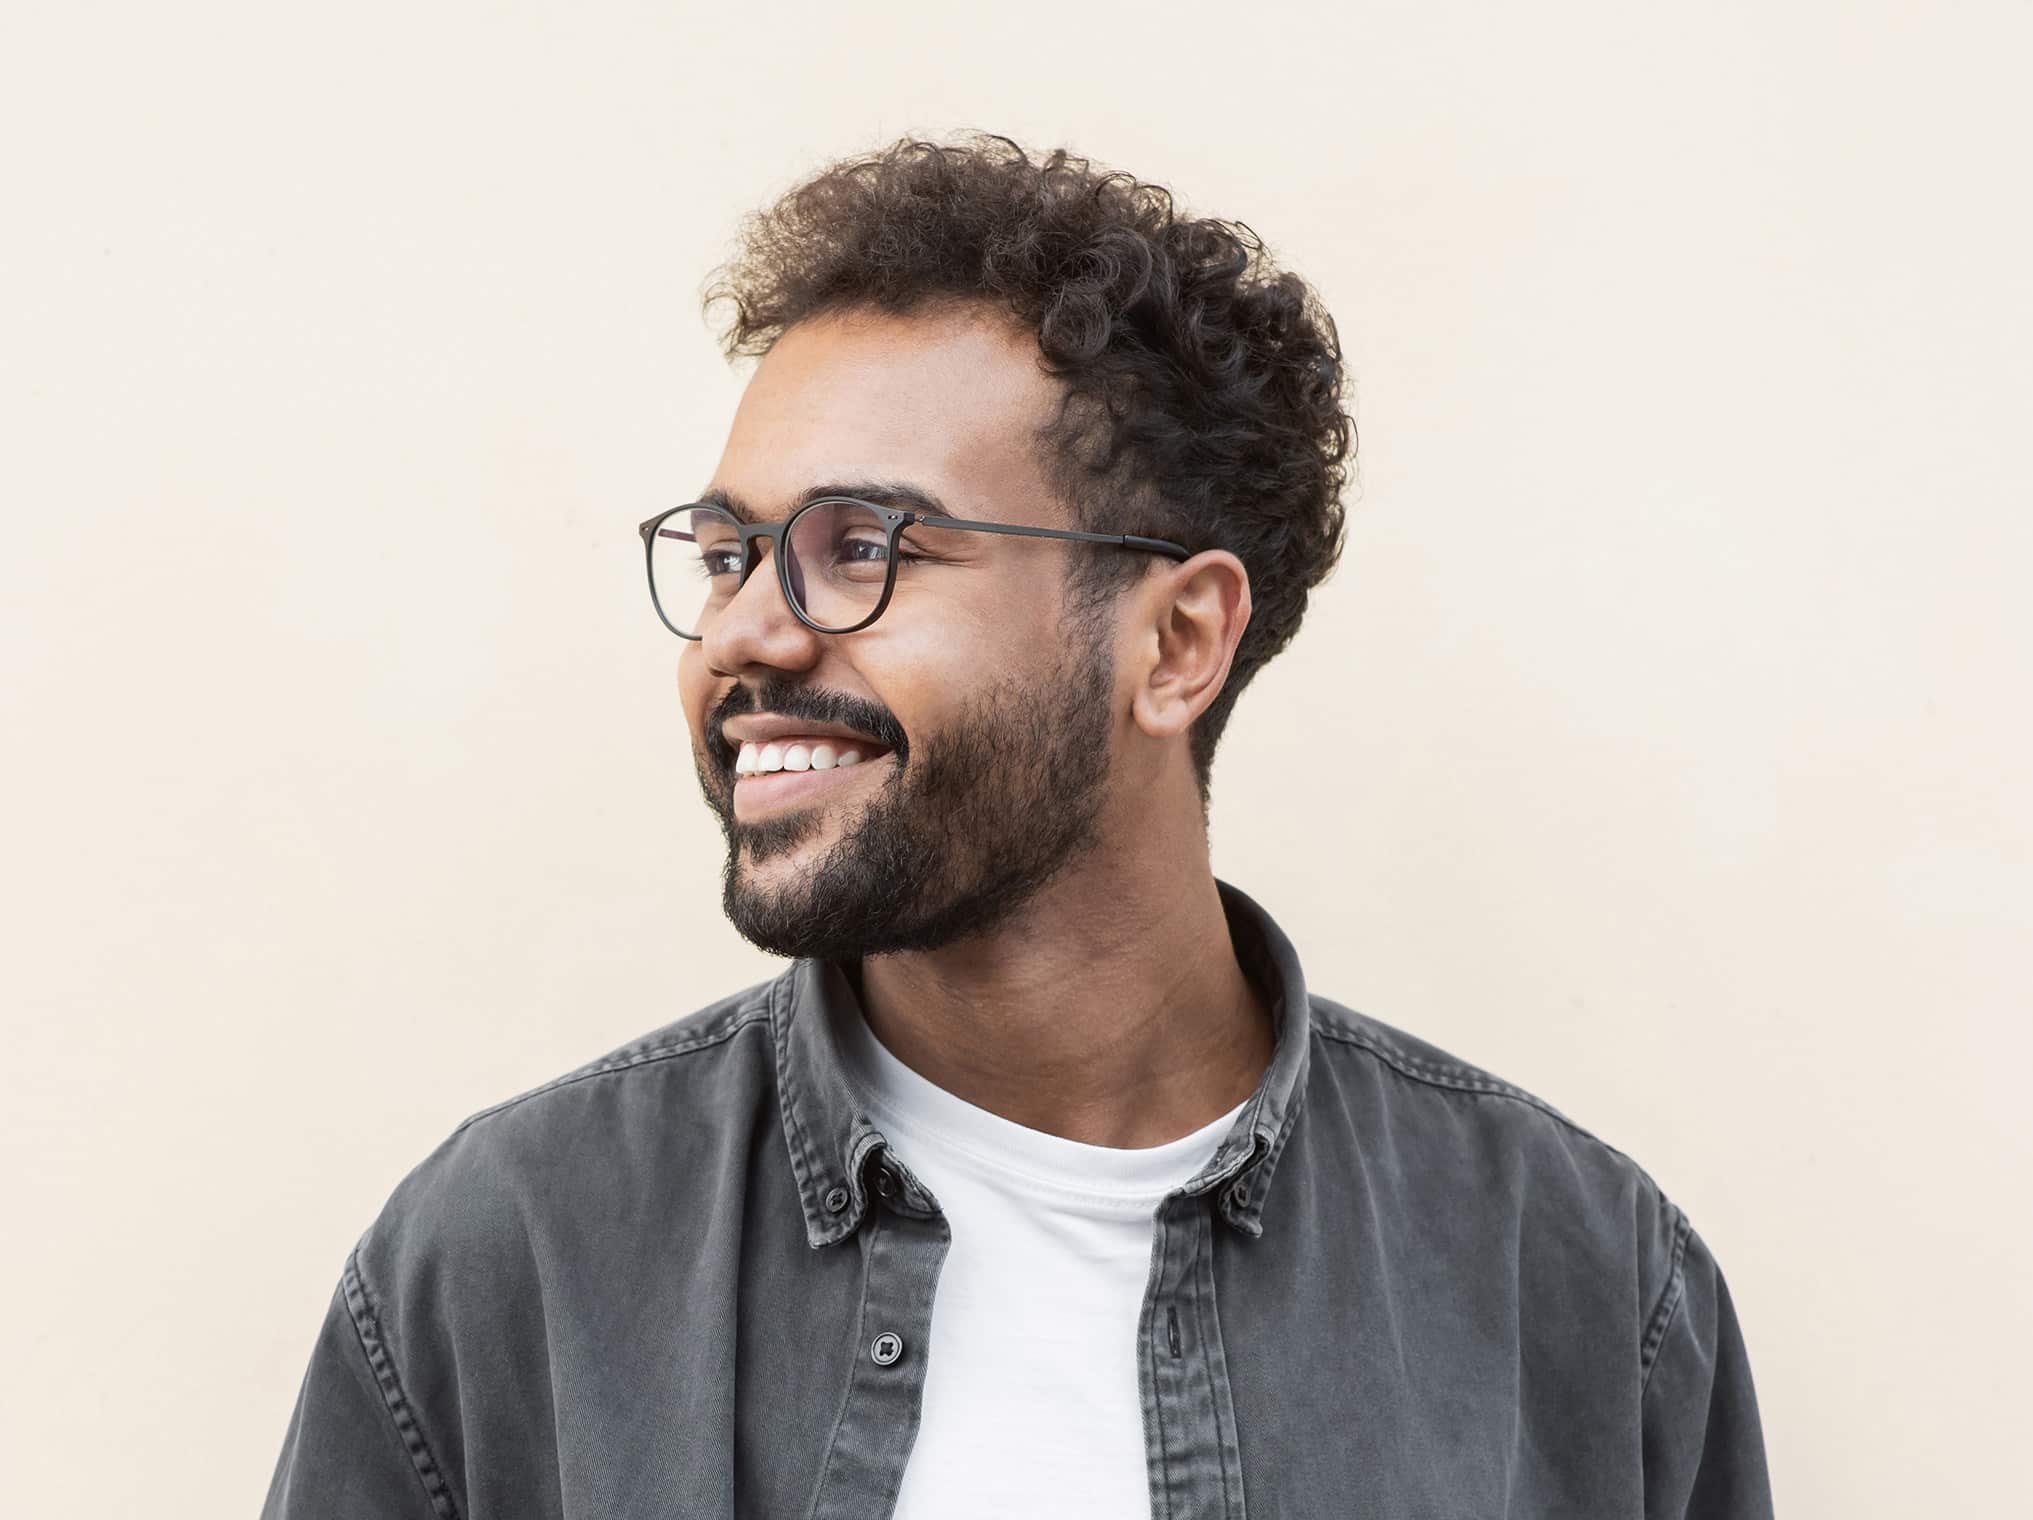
1475,1082
366,1318
1466,1079
1670,1298
610,1065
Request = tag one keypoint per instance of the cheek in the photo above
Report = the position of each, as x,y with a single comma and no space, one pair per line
904,670
927,669
973,618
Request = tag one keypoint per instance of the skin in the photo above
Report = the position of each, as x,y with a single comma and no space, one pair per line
1021,892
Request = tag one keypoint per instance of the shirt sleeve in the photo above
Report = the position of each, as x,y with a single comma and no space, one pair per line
344,1456
1704,1447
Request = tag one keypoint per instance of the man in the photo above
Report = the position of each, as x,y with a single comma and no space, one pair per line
1040,1182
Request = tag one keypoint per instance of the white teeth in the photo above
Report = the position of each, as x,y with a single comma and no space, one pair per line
762,759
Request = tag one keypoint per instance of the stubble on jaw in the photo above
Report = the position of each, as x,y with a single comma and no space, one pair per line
968,828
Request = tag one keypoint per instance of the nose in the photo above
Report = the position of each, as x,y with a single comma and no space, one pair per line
756,625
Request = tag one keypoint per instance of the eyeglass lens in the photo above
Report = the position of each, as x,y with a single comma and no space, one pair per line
836,558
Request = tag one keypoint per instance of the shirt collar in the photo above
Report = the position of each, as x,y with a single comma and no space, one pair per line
832,1136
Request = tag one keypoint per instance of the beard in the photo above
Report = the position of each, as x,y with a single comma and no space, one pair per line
970,825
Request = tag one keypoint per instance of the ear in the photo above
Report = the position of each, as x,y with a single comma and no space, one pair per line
1189,621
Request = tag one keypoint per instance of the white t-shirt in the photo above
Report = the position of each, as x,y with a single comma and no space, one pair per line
1031,1404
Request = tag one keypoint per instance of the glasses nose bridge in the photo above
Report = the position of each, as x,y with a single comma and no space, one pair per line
754,537
775,535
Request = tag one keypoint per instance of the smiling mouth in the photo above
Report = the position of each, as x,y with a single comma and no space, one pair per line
761,792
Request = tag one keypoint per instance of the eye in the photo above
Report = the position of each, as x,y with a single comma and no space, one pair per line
850,548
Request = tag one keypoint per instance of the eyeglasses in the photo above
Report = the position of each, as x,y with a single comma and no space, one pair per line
836,559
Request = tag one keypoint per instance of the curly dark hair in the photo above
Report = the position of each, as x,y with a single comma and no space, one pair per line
1202,398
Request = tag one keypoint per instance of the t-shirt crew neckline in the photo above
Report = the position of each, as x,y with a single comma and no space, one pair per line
1107,1179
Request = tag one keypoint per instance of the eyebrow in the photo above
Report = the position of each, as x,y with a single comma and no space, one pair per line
900,494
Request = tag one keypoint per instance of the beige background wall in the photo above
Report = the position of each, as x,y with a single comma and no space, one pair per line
1664,734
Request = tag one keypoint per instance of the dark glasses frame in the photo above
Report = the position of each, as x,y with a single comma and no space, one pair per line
894,519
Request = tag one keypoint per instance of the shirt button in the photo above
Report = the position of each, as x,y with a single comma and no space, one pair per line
836,1199
885,1182
886,1348
1240,1193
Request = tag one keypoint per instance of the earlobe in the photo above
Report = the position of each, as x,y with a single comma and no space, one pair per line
1197,623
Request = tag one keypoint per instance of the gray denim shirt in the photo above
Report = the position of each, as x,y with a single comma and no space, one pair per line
692,1278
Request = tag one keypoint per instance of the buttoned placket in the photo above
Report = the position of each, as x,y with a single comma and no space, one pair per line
903,1237
1190,1445
870,1197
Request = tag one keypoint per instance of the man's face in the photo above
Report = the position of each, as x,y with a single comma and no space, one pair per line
992,717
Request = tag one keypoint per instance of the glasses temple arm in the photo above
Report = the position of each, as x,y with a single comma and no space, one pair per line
1121,540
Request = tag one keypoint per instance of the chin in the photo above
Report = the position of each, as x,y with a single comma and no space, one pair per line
778,856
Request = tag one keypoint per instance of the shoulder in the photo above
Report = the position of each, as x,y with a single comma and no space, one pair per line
1425,1072
1500,1148
547,1165
694,1050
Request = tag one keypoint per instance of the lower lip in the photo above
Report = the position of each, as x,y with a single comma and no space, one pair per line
755,795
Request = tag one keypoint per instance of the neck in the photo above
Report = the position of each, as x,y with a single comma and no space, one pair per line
1112,1010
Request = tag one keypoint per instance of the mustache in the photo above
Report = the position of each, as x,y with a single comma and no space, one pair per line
788,701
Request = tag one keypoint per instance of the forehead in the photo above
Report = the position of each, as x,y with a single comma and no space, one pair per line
946,401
